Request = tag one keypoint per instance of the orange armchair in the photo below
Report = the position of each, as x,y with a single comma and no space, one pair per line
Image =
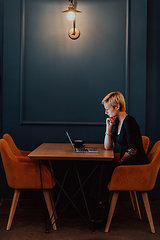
25,175
133,195
135,178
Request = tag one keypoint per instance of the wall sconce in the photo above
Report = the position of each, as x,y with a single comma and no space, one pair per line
74,33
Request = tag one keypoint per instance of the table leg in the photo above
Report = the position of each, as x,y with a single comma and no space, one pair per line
99,192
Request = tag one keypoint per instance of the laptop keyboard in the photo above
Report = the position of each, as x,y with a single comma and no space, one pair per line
81,150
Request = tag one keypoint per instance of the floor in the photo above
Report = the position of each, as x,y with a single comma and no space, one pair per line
31,216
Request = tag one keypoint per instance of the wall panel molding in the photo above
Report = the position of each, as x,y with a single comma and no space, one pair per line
23,80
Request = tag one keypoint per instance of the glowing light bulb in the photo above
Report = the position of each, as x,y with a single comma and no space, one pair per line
71,16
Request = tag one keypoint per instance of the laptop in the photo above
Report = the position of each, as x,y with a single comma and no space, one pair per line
89,149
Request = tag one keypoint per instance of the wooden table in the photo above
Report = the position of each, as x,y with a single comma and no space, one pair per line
64,151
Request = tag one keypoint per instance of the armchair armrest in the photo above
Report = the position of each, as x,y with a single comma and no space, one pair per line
25,153
25,159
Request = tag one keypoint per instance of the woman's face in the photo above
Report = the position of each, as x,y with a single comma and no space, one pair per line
109,110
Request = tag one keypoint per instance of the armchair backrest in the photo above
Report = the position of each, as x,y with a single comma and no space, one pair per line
154,152
12,144
6,152
8,159
145,141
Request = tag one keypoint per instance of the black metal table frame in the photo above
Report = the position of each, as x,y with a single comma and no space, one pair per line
91,226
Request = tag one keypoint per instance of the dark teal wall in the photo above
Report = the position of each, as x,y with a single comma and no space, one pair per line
153,71
63,81
153,79
1,57
60,83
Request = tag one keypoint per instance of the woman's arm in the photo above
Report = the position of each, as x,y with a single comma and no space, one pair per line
132,136
108,142
125,157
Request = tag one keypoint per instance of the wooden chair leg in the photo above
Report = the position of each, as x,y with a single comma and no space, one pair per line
13,207
49,206
132,200
52,202
135,203
110,197
148,211
111,210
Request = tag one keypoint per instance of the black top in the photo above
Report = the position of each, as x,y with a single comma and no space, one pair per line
130,137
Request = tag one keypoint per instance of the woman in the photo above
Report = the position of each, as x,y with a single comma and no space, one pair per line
125,131
121,130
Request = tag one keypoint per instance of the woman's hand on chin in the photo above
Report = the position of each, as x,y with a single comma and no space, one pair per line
110,120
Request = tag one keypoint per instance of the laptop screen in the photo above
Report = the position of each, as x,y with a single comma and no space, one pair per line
70,139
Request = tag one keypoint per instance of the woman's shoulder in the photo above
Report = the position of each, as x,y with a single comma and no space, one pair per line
131,120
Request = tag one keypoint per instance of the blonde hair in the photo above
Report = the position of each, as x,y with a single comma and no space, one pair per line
115,98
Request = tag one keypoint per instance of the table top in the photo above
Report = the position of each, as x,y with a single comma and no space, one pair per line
64,151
